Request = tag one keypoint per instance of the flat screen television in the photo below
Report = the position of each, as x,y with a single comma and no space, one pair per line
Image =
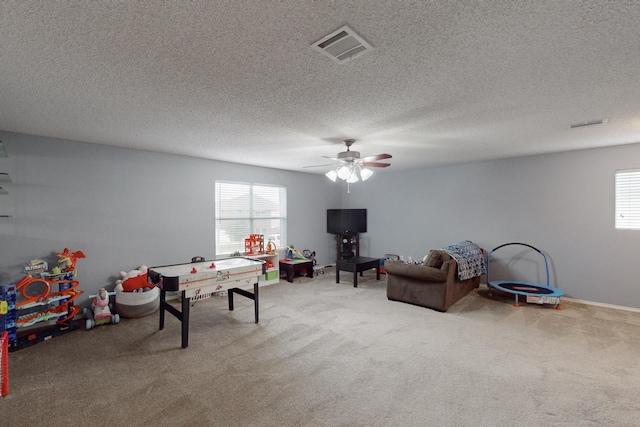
346,221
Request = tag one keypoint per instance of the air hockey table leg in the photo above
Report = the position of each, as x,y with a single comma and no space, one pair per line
185,320
163,297
246,294
255,300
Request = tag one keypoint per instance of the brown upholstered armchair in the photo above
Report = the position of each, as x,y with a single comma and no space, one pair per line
433,285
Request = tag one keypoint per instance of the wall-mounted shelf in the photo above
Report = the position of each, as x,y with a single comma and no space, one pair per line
4,177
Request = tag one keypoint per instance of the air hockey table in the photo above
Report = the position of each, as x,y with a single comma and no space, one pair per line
197,280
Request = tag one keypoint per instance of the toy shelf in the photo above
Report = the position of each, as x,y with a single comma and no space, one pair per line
272,275
30,322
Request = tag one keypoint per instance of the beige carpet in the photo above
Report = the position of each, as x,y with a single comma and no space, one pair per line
327,354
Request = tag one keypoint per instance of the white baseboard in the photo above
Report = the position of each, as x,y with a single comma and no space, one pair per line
603,304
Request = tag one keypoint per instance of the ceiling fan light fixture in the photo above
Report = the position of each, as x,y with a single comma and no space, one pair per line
365,174
350,167
344,173
352,178
332,175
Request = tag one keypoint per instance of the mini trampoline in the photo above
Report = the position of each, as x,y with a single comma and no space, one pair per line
533,293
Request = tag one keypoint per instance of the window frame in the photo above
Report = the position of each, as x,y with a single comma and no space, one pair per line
627,199
248,213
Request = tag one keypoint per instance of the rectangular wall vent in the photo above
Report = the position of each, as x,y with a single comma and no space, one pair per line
589,123
342,45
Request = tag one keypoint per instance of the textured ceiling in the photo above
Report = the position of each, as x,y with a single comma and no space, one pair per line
447,81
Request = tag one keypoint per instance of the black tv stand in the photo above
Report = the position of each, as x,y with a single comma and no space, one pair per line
348,246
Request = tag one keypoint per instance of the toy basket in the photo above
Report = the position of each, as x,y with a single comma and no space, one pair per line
137,304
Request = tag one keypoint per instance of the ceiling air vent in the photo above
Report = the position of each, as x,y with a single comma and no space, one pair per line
589,123
342,45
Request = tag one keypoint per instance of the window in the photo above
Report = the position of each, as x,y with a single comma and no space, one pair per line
243,209
628,199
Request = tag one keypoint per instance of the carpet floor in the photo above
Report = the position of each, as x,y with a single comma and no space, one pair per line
327,354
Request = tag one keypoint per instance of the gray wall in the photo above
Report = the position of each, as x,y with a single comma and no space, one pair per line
563,204
125,207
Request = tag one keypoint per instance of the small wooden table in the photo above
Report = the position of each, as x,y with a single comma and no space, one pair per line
290,265
357,265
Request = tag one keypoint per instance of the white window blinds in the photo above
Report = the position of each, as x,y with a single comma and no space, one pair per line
243,209
628,199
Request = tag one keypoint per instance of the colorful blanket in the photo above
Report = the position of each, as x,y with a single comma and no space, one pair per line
469,258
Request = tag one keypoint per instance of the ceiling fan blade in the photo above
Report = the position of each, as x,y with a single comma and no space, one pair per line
319,166
351,159
376,157
375,164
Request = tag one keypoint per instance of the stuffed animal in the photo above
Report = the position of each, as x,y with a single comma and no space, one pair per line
133,281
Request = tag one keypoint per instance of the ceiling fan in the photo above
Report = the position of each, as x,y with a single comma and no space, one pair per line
348,164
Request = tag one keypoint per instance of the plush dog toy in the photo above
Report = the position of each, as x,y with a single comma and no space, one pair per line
133,281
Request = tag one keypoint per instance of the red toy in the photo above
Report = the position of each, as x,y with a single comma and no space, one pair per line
254,245
4,363
70,259
134,280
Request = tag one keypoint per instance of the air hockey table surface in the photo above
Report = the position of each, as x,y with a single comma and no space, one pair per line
193,278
